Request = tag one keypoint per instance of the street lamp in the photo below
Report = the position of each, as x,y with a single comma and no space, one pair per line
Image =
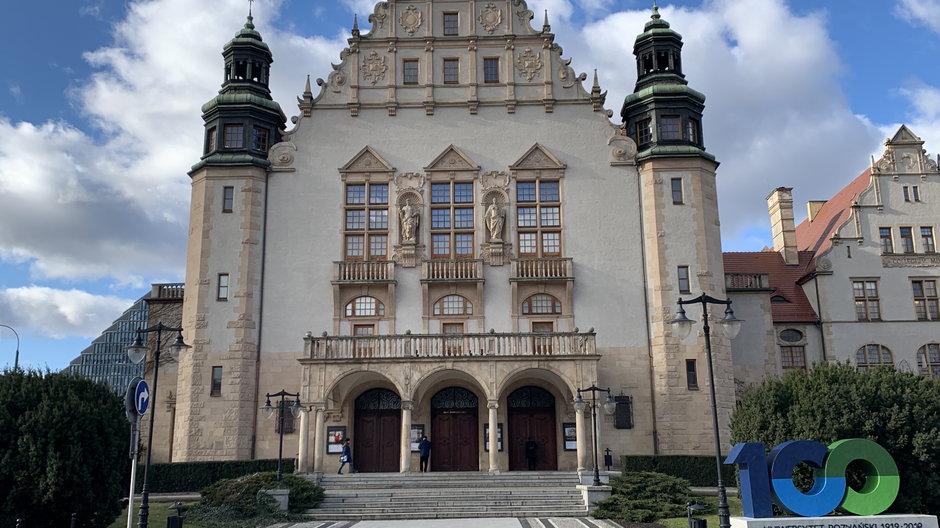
136,353
731,326
268,409
16,362
609,407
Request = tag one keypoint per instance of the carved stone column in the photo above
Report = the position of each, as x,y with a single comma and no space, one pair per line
319,439
303,450
581,438
406,407
493,405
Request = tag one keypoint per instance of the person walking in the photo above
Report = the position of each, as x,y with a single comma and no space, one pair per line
346,458
424,451
531,453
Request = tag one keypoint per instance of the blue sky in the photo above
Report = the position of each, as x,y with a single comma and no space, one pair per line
100,121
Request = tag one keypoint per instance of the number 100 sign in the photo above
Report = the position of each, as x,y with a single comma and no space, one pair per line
764,476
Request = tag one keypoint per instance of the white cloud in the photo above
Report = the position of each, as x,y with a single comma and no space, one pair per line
923,12
17,93
57,313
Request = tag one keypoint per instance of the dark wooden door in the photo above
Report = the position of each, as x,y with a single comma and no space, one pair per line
377,441
531,416
455,441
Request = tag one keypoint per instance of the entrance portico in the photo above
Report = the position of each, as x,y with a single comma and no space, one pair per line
503,386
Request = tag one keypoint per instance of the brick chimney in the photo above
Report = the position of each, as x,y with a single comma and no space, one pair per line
780,207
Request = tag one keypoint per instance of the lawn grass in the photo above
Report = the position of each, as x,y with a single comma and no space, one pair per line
159,511
734,505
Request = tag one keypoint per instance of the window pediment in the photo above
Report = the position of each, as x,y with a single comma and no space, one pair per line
538,158
452,159
367,160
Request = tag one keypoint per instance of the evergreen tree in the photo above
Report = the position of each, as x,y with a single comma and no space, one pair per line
63,450
900,411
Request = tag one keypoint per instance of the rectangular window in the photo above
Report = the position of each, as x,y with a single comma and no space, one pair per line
378,247
355,194
490,70
916,193
451,71
463,193
363,347
926,304
378,219
548,191
463,218
669,128
551,244
228,199
623,415
452,226
676,190
539,223
525,191
410,71
528,245
215,389
691,131
907,240
211,139
222,292
793,357
440,246
259,138
907,195
644,131
463,246
685,286
691,375
450,23
234,136
354,247
378,194
440,193
926,239
867,304
355,220
887,243
440,218
551,216
526,217
366,221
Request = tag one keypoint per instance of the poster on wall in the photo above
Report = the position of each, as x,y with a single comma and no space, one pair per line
486,437
570,432
334,438
417,431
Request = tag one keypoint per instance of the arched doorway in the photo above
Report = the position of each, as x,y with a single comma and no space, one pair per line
454,430
377,436
531,416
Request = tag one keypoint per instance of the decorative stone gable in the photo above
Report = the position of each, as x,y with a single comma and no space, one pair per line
904,154
367,161
452,159
538,158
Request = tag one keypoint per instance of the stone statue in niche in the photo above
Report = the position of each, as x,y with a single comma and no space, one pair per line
409,221
494,217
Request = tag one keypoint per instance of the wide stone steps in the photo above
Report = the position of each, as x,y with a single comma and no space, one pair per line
439,495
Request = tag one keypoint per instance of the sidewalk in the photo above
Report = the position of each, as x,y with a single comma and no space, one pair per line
501,522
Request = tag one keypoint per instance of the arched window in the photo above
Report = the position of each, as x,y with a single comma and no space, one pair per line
453,305
365,306
541,304
873,355
928,360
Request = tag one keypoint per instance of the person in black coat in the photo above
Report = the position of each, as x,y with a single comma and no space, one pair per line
346,458
531,453
424,451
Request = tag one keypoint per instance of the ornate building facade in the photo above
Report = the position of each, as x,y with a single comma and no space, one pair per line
451,239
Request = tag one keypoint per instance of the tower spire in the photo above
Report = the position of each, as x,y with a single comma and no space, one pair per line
546,27
355,28
249,6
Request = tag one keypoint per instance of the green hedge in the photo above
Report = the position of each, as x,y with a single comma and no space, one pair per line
194,476
698,470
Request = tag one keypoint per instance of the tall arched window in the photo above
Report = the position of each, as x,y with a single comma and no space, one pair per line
928,360
365,306
453,305
873,355
541,304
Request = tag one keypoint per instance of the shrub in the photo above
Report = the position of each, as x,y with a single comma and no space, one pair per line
900,411
193,476
243,495
645,497
699,470
63,449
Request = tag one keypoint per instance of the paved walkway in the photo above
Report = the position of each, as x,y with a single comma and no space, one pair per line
555,522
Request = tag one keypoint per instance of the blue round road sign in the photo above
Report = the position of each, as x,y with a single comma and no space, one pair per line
142,397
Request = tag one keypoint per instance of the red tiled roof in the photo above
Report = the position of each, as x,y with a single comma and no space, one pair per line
814,236
782,279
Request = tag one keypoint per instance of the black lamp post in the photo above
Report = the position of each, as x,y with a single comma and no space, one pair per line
731,325
609,407
16,361
137,352
269,409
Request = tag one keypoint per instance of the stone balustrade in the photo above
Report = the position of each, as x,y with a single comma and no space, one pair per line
543,268
746,281
465,346
351,271
452,270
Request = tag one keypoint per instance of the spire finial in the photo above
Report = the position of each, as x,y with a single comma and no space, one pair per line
355,29
546,27
307,88
596,84
249,6
655,15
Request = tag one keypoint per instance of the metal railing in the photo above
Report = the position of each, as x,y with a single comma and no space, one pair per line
468,346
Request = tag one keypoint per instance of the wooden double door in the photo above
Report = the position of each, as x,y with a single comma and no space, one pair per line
531,417
455,437
377,433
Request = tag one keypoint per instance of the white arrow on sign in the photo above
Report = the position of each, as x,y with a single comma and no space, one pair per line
143,398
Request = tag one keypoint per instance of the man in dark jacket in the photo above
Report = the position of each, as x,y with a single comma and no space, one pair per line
531,453
346,458
424,451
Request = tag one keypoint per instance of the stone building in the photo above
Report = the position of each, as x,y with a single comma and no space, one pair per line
451,238
856,281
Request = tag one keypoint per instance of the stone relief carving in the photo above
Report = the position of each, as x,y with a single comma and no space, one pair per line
567,75
410,20
529,64
495,217
409,181
374,68
886,163
409,217
377,19
495,180
823,264
910,261
490,17
623,148
523,13
281,155
907,162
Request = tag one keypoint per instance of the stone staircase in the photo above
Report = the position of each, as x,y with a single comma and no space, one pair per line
446,495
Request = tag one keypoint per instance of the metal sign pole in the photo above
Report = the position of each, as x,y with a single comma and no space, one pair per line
135,435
